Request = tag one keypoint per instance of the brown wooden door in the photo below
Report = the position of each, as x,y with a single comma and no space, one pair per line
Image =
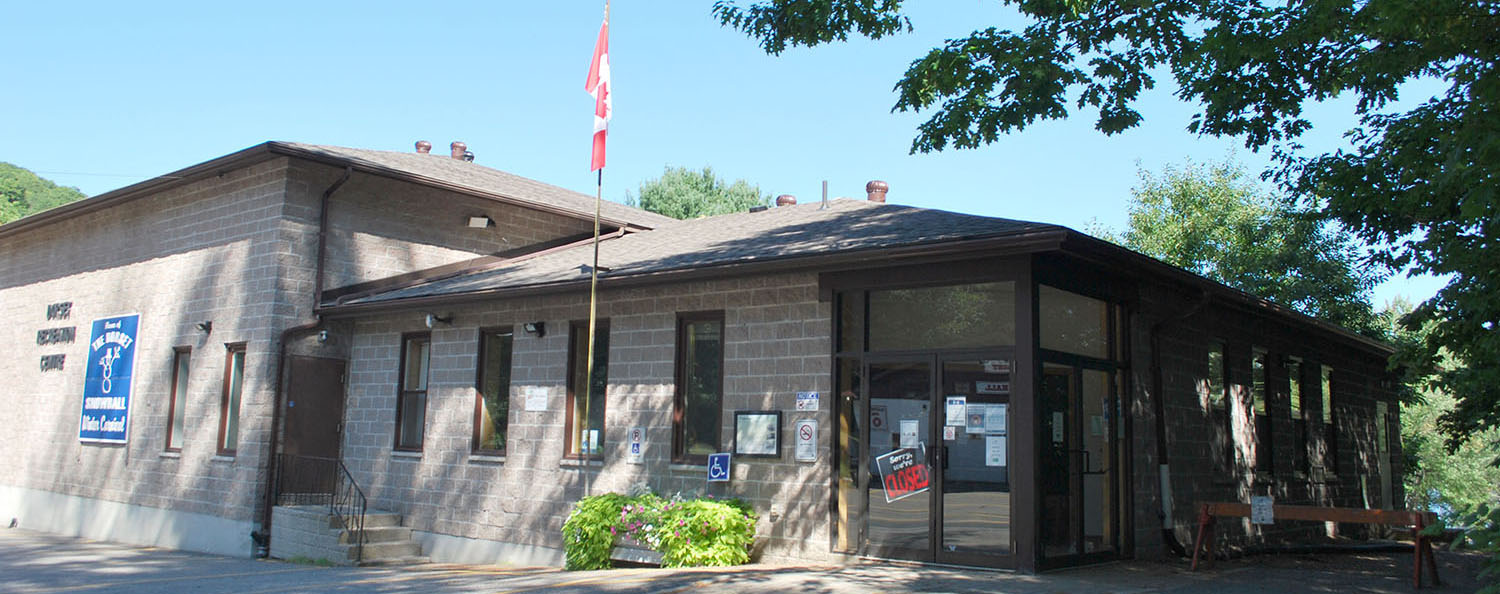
314,407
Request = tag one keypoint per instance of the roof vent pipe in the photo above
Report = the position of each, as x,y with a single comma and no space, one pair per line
876,190
457,149
424,147
786,200
469,156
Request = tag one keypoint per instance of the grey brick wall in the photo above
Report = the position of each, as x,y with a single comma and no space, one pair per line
777,343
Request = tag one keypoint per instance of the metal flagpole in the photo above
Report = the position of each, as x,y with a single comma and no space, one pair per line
588,373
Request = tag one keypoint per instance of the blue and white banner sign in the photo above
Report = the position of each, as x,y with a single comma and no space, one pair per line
106,380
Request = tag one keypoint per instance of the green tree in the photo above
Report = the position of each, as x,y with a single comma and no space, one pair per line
1213,220
682,193
23,193
1420,185
1450,482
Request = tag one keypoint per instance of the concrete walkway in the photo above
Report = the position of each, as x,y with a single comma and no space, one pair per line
37,562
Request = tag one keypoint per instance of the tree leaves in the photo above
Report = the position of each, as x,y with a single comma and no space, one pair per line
23,193
1421,186
682,193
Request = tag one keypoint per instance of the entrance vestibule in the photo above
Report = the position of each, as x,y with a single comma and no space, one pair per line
949,451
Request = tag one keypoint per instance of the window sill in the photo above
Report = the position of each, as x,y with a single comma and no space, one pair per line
170,455
579,462
222,458
406,454
487,458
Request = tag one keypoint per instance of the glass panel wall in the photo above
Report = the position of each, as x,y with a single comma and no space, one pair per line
953,317
1072,323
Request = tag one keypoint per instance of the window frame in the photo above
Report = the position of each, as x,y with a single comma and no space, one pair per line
402,393
679,401
1297,406
577,357
1330,461
181,356
1218,408
231,425
1260,410
482,354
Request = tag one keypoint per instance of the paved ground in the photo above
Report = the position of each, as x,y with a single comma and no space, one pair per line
36,562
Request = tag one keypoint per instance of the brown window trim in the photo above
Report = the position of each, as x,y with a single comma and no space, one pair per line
177,354
576,357
679,401
229,351
402,392
481,354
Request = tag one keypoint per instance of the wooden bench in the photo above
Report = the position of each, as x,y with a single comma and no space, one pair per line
1416,521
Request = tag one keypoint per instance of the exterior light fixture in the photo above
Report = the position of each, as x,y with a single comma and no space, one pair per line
434,319
481,222
205,327
538,329
322,336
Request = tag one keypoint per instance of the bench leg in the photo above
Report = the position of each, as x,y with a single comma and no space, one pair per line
1205,527
1431,561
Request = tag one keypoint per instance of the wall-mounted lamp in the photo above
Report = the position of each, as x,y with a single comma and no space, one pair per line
538,329
322,336
481,222
434,319
205,327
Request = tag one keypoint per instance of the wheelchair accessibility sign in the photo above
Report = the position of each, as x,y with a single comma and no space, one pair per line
718,468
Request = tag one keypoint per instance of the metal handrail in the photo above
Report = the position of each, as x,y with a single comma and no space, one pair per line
311,480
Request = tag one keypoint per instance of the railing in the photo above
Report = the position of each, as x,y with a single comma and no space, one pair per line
308,480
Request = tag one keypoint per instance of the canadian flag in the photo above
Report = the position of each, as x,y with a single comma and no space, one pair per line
598,86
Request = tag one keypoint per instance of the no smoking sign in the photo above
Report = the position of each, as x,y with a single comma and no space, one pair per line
807,440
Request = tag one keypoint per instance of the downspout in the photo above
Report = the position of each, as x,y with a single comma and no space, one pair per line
1168,531
263,539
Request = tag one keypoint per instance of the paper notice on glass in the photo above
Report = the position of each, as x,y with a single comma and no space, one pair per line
950,433
908,433
957,407
994,419
975,419
994,450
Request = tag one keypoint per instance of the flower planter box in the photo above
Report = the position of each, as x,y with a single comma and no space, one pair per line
630,550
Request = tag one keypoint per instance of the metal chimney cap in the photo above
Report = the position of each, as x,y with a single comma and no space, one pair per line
457,149
424,147
786,200
876,190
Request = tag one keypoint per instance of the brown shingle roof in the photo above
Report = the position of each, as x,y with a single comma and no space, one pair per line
454,172
779,234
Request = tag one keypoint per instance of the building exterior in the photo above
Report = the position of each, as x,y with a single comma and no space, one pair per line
893,382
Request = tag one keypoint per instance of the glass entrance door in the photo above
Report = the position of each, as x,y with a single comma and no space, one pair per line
938,485
1077,465
975,462
900,509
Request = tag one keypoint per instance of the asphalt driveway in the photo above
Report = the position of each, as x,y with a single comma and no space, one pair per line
37,562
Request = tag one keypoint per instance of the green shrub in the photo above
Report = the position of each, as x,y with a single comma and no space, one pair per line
688,533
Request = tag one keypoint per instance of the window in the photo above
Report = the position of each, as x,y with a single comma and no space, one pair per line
411,400
959,316
229,405
1072,323
698,415
492,391
1330,435
585,419
1299,414
1264,461
177,407
1216,387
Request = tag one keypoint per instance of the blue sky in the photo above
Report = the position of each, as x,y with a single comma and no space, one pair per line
102,95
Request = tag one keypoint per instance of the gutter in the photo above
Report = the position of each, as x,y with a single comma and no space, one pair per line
1159,408
280,394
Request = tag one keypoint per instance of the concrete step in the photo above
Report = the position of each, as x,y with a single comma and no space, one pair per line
378,519
385,550
377,534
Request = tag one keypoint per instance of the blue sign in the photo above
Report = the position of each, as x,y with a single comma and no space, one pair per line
107,380
718,468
